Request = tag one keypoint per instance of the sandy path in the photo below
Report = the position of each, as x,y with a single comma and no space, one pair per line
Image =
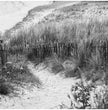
55,88
54,92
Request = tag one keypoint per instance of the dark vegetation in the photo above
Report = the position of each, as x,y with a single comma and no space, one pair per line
11,74
6,89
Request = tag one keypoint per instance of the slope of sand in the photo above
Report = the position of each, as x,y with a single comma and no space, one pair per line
54,92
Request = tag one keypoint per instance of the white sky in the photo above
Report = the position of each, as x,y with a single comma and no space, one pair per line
13,12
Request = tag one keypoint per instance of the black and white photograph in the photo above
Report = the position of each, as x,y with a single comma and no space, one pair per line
53,54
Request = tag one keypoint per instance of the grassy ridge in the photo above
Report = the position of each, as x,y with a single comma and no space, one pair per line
90,39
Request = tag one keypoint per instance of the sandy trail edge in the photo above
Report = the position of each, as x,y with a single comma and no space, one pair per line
55,87
54,92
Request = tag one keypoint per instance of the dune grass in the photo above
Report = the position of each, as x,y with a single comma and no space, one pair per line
89,39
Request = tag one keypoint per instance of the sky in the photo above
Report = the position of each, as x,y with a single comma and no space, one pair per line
12,12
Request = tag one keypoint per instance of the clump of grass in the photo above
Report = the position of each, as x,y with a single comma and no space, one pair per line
89,96
5,89
18,75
